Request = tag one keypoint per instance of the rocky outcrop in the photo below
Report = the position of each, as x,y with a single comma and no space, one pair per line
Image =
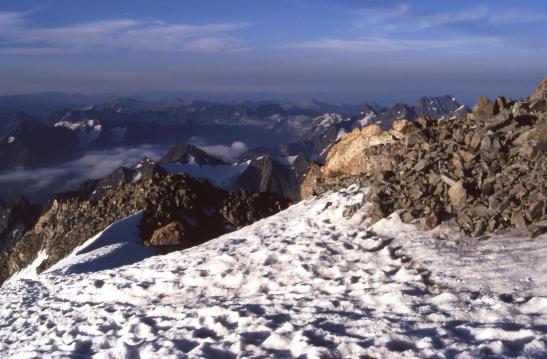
268,174
203,211
346,157
487,171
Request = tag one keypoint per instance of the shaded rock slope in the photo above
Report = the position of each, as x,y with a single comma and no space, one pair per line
197,210
486,171
16,218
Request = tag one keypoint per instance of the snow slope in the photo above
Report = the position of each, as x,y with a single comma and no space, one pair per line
222,176
308,282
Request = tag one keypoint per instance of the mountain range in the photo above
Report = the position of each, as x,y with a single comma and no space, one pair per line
276,128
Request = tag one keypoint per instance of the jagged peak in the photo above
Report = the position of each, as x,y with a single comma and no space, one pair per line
187,153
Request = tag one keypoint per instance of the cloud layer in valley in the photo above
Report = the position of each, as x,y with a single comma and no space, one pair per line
40,182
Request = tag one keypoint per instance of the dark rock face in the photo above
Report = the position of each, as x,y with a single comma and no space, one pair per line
16,219
190,154
9,121
203,211
36,144
431,107
266,174
486,171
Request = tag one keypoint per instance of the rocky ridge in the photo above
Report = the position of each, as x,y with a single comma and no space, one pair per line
197,210
485,171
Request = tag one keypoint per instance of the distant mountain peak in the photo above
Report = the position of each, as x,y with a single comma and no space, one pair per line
186,153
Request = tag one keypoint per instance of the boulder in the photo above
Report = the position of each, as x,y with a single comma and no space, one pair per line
483,109
169,235
457,194
414,138
518,220
501,104
310,181
429,222
402,128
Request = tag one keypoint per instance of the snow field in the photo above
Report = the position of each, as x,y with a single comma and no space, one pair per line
307,282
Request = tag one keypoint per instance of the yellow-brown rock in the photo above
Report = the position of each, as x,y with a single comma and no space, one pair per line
171,234
402,128
346,157
308,185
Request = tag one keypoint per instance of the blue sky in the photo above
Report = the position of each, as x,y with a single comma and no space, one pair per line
351,50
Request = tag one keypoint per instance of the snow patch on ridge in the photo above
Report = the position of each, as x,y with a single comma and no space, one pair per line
31,270
117,245
223,176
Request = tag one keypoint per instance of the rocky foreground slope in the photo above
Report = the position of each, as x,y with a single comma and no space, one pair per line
178,212
486,171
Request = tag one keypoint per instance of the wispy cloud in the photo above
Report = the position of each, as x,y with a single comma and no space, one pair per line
385,44
445,18
407,18
406,28
18,36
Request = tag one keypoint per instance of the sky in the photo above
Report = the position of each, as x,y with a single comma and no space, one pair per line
335,50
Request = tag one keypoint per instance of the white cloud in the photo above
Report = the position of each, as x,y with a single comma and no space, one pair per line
406,18
226,153
18,37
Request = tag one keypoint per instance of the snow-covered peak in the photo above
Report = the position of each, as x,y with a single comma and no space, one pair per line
367,119
327,120
80,125
88,130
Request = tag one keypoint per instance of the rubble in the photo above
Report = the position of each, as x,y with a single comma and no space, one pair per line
486,171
